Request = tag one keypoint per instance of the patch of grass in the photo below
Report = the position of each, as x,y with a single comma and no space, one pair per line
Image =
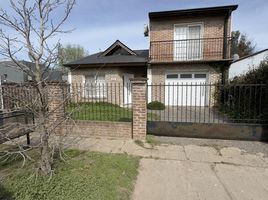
151,140
102,111
85,175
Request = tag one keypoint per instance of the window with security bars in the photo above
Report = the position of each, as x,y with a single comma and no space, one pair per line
95,86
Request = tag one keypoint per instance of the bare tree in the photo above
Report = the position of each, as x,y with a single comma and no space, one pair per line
28,28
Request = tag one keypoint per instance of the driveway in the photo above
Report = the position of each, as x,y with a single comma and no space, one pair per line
173,179
204,172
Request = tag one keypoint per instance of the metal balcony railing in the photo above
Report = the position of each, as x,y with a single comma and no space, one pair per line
190,49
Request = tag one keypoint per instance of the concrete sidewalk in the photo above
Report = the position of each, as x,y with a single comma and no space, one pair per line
194,153
190,172
190,169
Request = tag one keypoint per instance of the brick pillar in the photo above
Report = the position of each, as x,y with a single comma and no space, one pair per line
56,104
139,106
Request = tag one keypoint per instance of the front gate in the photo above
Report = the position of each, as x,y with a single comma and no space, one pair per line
231,111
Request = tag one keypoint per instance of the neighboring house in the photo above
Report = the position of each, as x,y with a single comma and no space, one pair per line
246,63
186,47
11,73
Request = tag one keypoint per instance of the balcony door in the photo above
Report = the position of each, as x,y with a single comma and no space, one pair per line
188,42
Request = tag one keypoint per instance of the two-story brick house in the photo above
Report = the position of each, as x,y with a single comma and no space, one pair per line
186,47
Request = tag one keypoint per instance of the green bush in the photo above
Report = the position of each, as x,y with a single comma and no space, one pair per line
156,105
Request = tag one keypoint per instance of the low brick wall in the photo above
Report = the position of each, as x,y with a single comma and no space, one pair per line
122,130
254,132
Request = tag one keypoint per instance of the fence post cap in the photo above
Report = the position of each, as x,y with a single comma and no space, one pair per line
55,83
138,80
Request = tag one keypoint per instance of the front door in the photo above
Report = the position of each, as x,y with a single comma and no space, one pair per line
127,88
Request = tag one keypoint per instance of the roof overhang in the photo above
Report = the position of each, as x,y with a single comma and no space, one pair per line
195,11
227,61
102,65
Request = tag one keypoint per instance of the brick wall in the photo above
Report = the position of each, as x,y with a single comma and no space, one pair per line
107,129
163,30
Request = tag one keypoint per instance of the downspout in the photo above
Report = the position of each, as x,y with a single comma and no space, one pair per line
225,45
225,36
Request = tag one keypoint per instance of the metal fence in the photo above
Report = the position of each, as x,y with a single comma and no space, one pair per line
100,101
15,96
208,103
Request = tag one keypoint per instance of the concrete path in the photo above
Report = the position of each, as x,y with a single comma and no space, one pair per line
190,172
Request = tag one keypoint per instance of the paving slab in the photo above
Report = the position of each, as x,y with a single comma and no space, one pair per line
131,148
236,156
107,146
202,153
242,182
171,152
173,180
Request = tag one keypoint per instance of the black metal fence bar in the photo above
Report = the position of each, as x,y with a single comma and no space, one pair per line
100,102
190,49
209,103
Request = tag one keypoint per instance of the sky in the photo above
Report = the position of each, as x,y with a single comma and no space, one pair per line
98,23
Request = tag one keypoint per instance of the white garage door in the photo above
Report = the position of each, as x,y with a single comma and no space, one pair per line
186,89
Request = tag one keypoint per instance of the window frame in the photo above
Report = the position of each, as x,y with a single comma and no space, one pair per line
96,88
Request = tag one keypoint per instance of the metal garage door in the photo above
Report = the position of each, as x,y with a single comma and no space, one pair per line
186,89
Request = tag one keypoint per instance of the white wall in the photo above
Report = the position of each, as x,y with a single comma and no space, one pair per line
243,66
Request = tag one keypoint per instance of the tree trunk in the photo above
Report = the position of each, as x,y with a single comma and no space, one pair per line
45,159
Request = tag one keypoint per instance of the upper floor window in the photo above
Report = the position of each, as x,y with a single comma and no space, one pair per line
188,42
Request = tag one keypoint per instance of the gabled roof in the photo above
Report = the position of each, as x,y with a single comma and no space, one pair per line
117,53
114,46
192,11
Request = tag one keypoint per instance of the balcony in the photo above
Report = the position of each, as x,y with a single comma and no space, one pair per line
202,49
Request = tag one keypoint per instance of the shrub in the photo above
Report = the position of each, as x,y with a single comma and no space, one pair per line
156,105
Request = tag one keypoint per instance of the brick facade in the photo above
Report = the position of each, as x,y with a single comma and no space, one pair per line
114,83
213,27
139,104
163,29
